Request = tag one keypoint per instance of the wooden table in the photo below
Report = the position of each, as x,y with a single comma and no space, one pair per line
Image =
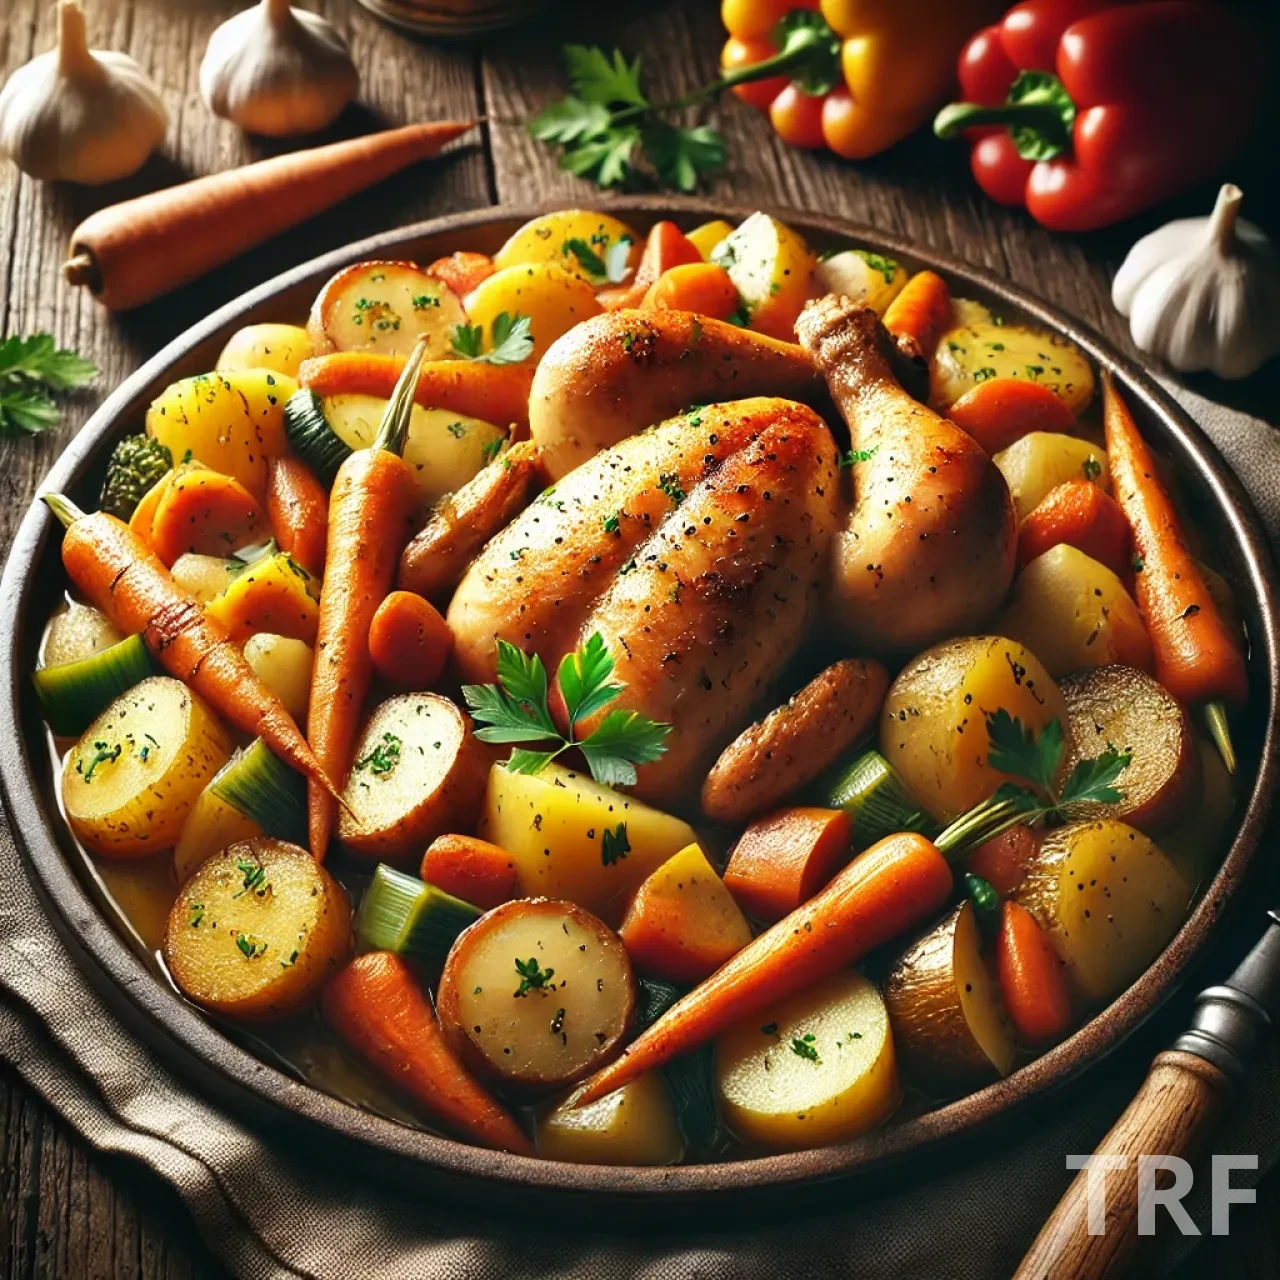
65,1211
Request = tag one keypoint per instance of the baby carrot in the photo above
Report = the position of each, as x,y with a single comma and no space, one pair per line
920,312
370,507
409,642
695,286
1080,515
122,576
1032,982
471,869
666,247
298,511
1198,659
897,883
462,271
1000,411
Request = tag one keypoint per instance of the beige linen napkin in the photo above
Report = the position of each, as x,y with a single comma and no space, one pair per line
265,1212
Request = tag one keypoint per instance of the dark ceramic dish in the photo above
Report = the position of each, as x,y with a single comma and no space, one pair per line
243,1084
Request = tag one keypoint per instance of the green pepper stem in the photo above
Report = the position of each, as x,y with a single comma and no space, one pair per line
1033,112
62,507
1215,715
393,431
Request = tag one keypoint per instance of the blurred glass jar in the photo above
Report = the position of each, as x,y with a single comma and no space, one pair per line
454,17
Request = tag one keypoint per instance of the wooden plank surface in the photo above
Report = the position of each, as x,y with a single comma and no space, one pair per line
68,1212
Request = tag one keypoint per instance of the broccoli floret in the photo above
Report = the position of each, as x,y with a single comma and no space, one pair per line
137,463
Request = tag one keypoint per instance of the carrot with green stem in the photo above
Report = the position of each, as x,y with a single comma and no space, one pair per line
1198,659
121,575
370,508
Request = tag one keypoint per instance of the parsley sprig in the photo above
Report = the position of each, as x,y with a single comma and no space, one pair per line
607,117
29,368
612,268
510,340
515,710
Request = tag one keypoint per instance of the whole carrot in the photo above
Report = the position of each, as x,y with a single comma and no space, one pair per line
1198,659
298,511
1032,979
896,884
119,574
370,509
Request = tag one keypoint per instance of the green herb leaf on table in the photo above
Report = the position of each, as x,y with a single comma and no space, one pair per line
682,155
510,342
532,976
598,77
30,367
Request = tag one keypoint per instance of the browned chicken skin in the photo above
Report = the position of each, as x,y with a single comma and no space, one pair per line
930,548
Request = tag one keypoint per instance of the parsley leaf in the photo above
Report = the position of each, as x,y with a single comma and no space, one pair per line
682,155
1090,781
614,845
622,740
511,340
805,1047
28,368
583,678
611,269
532,976
596,77
858,455
605,159
571,120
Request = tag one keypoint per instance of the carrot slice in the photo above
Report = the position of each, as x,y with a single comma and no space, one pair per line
298,511
702,287
145,512
1000,411
1080,515
462,271
1003,860
920,312
409,642
1033,982
207,514
471,869
666,247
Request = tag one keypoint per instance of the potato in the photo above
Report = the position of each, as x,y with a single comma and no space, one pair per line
205,577
948,1020
978,347
417,771
1128,710
131,780
572,838
816,1068
707,235
933,726
76,631
444,449
257,930
554,300
385,307
1195,845
1108,898
282,347
633,1125
1073,612
546,239
284,666
211,826
273,594
536,994
1042,460
866,277
230,422
771,266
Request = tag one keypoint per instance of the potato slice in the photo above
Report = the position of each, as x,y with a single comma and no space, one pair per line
1128,710
948,1020
417,772
444,449
257,930
814,1069
536,994
978,347
933,726
1073,613
273,594
866,277
572,838
771,267
554,300
385,307
206,577
547,239
282,347
131,780
76,631
1042,460
211,826
1109,899
633,1125
284,665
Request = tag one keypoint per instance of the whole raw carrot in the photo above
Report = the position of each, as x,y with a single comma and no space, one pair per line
1198,659
298,511
1000,411
131,252
896,884
920,312
370,509
1033,983
119,574
376,1005
1080,515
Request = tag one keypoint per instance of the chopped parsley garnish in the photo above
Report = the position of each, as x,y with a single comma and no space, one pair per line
102,754
250,947
669,483
384,757
804,1047
614,845
493,448
457,430
290,962
981,375
1138,563
877,262
1091,467
613,523
510,340
532,977
255,878
197,914
858,455
610,269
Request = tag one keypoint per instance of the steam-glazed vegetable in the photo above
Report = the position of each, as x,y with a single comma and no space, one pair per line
633,1125
866,277
72,693
813,1069
77,631
557,237
282,347
137,462
1038,463
257,930
205,577
550,299
536,994
944,1006
274,594
284,667
403,914
770,265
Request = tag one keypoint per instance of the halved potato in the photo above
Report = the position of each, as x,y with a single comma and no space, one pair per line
284,665
536,994
933,725
76,631
131,780
282,347
385,307
572,838
444,449
205,577
978,347
257,930
1109,899
1128,710
547,239
866,277
554,300
417,772
632,1125
813,1069
1042,460
948,1020
1072,612
771,266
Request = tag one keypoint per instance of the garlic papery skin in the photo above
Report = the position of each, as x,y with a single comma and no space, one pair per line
1204,293
80,114
277,71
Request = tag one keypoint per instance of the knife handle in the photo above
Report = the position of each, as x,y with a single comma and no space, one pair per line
1174,1113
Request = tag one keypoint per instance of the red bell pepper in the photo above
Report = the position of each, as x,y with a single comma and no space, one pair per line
1088,111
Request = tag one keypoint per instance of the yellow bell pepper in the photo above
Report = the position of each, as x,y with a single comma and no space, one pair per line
869,72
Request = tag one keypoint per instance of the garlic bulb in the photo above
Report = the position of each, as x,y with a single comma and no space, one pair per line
1204,293
277,71
80,114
